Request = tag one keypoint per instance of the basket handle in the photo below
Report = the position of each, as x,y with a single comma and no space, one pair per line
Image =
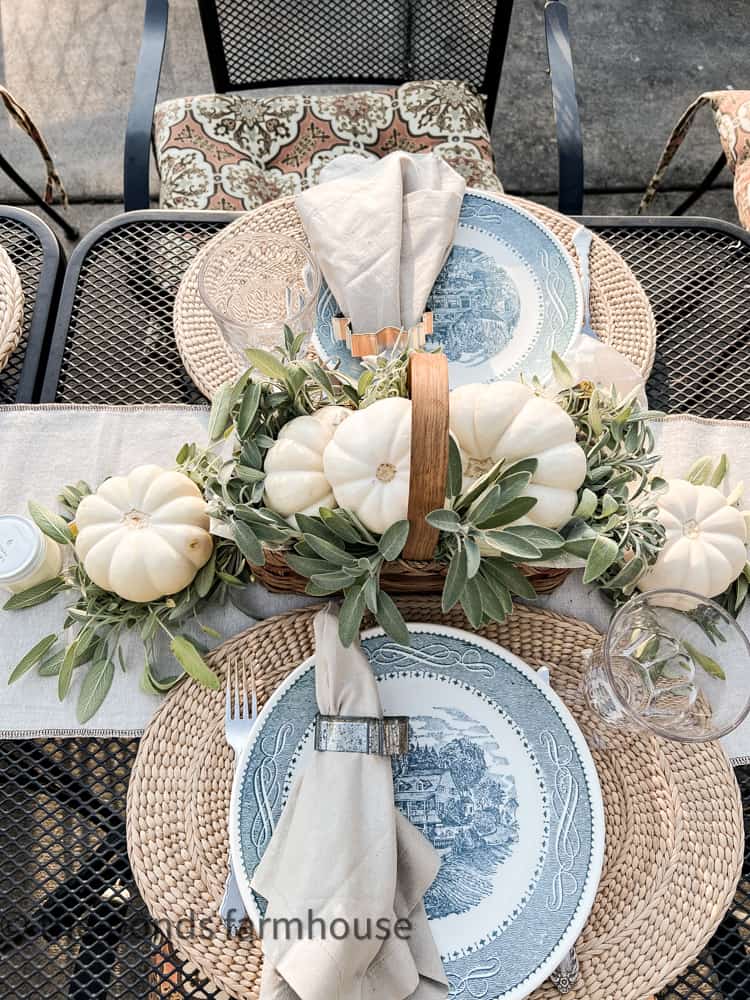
428,388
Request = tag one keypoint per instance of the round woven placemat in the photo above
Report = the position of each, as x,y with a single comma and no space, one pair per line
620,311
673,816
11,308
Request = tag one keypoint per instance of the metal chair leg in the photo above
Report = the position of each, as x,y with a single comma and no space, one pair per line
70,231
704,185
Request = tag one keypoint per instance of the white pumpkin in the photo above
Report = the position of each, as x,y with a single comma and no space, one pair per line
295,482
705,548
507,420
145,535
367,463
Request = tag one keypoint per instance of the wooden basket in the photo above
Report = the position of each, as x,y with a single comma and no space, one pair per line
417,572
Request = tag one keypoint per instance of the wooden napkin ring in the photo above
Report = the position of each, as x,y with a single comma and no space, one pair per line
428,389
362,344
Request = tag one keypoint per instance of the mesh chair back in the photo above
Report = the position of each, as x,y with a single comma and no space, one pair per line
257,43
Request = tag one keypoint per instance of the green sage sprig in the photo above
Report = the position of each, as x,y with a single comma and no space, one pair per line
98,619
614,526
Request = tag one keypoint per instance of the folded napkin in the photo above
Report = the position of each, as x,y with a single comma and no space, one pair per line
341,851
381,231
44,448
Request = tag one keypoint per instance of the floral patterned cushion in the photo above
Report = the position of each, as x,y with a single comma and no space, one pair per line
731,110
225,151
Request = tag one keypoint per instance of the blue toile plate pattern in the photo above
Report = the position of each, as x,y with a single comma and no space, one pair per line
506,298
498,777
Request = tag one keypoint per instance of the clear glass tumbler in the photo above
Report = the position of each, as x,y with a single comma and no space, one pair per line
257,283
674,664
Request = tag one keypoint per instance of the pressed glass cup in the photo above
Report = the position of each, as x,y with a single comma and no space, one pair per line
674,664
257,283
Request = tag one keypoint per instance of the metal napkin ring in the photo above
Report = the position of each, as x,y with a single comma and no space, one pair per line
387,737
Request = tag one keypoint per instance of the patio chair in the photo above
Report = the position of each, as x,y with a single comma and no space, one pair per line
228,151
731,112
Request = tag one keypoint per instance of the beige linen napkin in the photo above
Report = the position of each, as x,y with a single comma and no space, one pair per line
381,231
341,851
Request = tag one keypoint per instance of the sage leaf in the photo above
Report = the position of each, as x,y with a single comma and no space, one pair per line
37,594
218,419
393,540
340,525
586,504
205,577
66,670
706,663
496,600
512,544
333,582
508,513
248,409
603,553
717,476
372,592
513,485
545,539
193,663
330,552
94,689
51,667
350,615
307,566
455,469
563,374
444,520
471,602
509,576
473,558
50,524
455,579
34,655
700,470
248,544
629,575
391,619
267,364
315,526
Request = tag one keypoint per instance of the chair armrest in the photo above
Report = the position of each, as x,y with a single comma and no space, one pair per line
567,118
141,115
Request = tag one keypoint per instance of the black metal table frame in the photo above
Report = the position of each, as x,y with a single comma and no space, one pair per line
72,272
101,867
50,283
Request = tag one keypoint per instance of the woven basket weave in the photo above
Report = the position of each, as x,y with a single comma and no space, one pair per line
673,815
11,308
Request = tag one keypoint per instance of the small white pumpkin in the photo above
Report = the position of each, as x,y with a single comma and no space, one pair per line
368,460
295,482
705,548
145,535
507,420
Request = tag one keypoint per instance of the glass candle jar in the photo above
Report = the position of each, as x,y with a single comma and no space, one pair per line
27,557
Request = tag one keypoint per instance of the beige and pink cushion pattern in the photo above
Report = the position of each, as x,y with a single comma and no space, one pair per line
731,110
233,152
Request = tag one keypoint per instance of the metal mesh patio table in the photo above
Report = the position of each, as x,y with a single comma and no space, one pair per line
36,254
74,925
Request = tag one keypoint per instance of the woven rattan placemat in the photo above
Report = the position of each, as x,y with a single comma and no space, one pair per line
673,813
620,312
11,308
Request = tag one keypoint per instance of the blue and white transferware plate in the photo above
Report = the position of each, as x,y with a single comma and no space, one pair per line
498,777
507,297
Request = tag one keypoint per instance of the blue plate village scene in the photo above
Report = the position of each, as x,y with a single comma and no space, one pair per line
454,785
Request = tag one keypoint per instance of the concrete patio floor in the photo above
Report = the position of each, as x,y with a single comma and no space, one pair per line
638,65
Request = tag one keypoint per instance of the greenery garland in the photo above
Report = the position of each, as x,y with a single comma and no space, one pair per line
614,527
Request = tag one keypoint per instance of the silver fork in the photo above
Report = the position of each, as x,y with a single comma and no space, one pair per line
239,719
582,242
